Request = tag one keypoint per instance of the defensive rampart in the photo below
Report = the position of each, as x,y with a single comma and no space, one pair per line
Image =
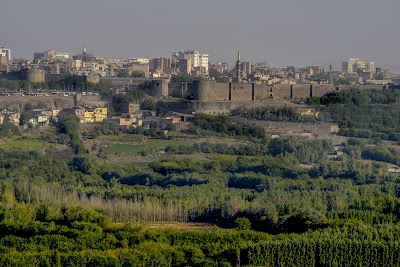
213,98
39,76
211,91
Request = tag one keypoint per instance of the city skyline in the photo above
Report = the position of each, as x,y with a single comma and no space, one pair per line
284,33
231,63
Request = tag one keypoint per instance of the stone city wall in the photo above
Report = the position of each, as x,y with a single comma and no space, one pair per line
296,127
213,91
94,101
213,107
18,102
206,91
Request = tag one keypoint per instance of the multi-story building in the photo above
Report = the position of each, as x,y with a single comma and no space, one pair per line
88,116
51,55
204,64
162,65
100,114
123,122
354,64
6,52
364,76
194,56
43,119
9,116
50,113
3,59
79,112
185,66
260,66
38,55
198,60
313,70
220,67
91,115
382,74
246,69
136,60
75,64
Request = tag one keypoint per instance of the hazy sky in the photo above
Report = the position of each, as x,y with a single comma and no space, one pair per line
281,32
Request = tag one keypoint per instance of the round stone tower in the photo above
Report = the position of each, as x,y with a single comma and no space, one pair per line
202,90
35,75
159,88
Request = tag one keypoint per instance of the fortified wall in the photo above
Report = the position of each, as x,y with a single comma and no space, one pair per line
34,75
211,91
71,79
30,75
39,76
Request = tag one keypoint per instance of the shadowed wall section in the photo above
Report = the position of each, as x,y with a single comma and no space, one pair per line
211,91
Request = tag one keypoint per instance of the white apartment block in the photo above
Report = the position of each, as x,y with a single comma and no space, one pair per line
194,56
139,60
204,62
51,55
353,64
198,60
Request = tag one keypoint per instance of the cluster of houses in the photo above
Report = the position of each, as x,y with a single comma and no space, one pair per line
305,112
38,116
10,116
133,117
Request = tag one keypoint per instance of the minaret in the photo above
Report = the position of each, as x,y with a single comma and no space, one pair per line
238,69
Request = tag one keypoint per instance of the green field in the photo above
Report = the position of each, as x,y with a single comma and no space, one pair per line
220,157
137,145
23,144
140,164
125,138
123,148
159,143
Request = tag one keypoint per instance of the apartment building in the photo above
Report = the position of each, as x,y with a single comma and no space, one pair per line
6,52
199,61
352,65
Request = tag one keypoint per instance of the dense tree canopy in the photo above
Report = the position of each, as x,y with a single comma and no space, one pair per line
270,202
